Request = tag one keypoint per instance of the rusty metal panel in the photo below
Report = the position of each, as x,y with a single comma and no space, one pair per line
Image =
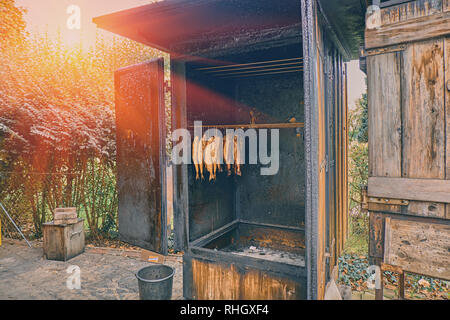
141,155
179,172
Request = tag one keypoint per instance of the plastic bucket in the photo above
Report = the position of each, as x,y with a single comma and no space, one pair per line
155,282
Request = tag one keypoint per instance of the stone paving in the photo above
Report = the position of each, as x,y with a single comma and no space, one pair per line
108,275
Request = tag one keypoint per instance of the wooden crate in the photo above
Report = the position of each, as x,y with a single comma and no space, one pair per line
65,216
63,242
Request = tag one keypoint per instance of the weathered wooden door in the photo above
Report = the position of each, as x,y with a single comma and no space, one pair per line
141,151
408,136
408,128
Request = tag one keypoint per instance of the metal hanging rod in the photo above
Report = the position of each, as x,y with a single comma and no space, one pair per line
260,71
248,64
296,63
254,126
260,74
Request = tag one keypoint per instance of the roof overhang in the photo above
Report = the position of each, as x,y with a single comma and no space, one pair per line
196,27
193,26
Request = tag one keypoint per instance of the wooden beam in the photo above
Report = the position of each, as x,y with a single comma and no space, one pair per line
432,190
422,28
391,3
385,115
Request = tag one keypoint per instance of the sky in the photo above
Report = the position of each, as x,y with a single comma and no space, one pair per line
356,82
51,16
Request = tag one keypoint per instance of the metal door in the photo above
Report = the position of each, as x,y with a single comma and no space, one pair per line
141,152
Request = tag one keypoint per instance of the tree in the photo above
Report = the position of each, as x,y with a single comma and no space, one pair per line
358,170
360,121
57,128
12,24
359,162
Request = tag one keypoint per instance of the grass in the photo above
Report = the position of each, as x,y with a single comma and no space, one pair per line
358,240
356,244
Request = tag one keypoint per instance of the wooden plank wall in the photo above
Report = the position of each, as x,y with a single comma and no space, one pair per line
412,21
410,10
409,112
424,117
418,247
384,100
447,106
407,116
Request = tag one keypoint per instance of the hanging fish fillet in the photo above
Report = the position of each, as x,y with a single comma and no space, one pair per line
237,155
209,156
200,148
228,152
195,146
213,157
217,155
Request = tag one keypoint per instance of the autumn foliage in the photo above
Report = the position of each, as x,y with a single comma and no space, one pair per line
57,131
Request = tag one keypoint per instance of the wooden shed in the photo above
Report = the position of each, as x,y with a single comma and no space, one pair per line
246,65
407,52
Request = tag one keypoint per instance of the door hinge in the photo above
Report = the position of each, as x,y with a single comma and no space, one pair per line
388,201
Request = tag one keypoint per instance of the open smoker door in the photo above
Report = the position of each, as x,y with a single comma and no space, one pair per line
141,182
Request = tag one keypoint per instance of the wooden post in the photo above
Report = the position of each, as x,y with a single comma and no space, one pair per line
379,292
401,288
401,274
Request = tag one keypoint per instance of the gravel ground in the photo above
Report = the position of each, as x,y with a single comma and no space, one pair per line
105,274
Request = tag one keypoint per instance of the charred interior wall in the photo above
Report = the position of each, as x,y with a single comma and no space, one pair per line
275,199
211,203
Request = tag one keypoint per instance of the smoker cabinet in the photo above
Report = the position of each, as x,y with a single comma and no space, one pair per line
240,64
246,237
63,242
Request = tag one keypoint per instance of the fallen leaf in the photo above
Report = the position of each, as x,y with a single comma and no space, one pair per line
424,283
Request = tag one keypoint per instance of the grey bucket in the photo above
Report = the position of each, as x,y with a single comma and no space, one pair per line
155,282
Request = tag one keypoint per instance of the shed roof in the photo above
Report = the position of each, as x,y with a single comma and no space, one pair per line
200,26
